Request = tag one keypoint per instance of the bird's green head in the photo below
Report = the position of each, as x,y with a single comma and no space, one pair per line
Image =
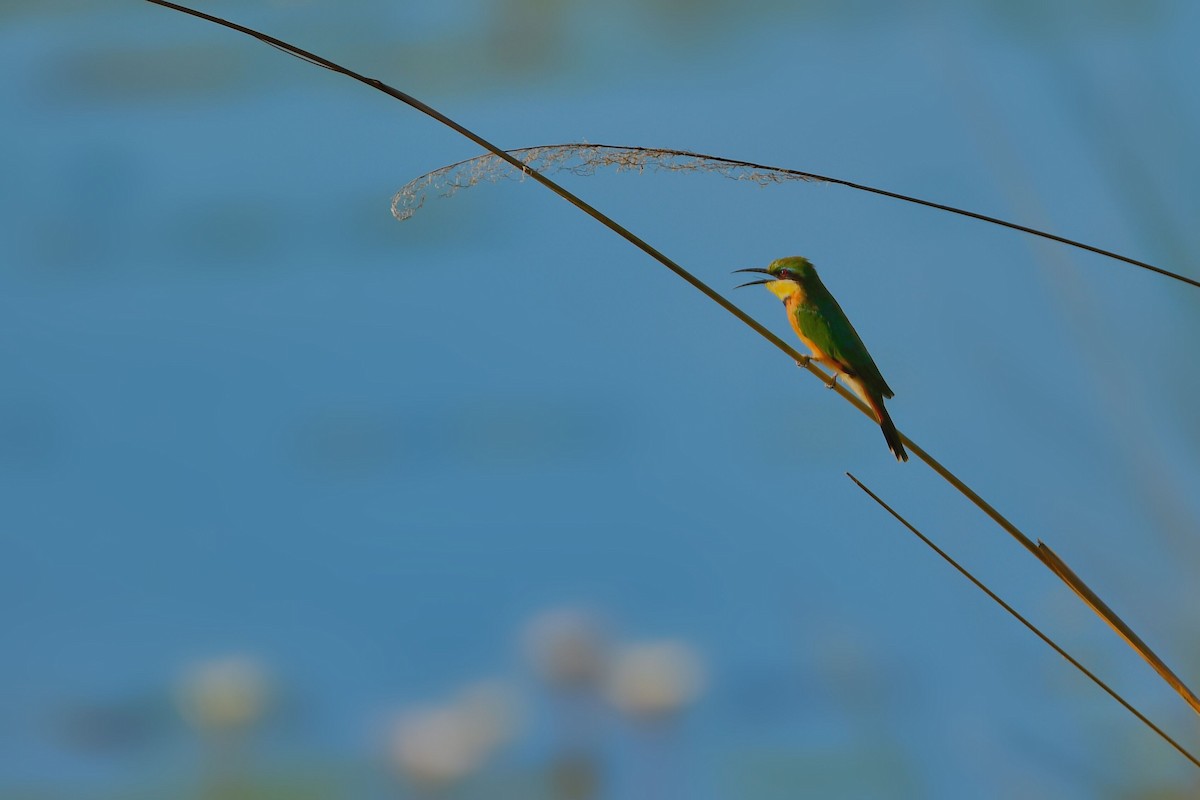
784,275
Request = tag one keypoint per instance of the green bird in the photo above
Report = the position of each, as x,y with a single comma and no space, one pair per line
823,327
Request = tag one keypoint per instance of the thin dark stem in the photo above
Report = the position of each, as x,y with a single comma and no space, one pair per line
803,361
813,176
978,583
537,176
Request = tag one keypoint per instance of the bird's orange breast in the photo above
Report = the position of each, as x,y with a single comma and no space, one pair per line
793,295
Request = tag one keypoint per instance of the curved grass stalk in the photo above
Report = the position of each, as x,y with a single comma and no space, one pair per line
577,158
1039,550
584,158
1070,659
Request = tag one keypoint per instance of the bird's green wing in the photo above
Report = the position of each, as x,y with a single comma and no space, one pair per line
823,322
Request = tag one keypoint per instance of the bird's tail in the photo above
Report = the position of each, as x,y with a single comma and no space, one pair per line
890,434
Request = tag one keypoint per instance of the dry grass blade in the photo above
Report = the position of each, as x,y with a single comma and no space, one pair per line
1037,631
801,360
1056,565
1051,559
582,158
577,159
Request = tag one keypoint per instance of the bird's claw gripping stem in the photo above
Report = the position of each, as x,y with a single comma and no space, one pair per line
803,363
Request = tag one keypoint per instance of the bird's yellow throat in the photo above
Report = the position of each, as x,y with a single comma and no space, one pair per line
783,289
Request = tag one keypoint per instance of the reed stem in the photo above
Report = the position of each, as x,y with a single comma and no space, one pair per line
1039,550
982,587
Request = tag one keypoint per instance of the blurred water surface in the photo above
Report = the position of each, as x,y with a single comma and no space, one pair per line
283,478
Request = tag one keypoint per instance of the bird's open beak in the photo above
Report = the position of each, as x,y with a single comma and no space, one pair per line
771,279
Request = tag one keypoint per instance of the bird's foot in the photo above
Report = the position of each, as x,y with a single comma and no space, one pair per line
803,362
832,383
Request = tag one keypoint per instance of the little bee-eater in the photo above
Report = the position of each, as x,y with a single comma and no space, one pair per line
823,327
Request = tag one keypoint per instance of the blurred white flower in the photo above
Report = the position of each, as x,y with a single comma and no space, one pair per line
567,648
436,747
440,746
655,679
224,694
